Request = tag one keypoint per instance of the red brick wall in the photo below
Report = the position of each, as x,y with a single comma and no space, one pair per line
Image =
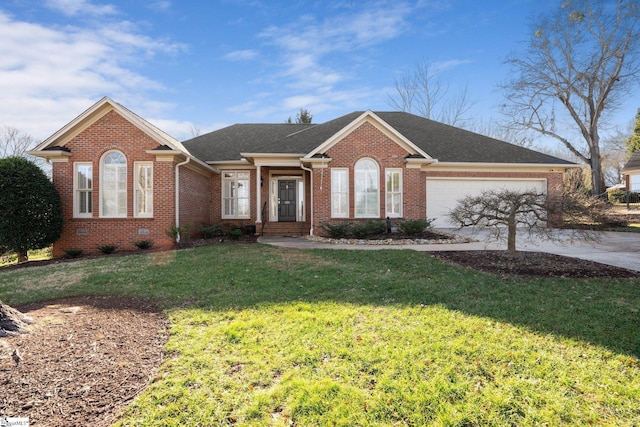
113,132
367,142
195,198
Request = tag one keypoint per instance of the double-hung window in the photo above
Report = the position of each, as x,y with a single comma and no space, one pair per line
143,192
83,190
339,193
113,185
235,195
393,178
367,191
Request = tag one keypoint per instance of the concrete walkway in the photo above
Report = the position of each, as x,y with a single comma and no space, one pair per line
617,249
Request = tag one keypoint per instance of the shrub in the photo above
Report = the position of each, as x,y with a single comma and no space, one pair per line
72,252
617,196
179,233
30,209
368,229
621,196
411,227
341,230
235,233
209,231
107,249
143,244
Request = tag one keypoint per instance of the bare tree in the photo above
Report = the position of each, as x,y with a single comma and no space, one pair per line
421,92
14,143
507,211
581,61
614,156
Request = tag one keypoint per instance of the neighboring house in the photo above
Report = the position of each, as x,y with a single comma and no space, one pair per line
631,173
121,179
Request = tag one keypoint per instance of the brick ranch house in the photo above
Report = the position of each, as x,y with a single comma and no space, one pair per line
121,179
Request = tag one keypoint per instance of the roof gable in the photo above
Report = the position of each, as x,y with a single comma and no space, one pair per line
95,113
633,164
371,118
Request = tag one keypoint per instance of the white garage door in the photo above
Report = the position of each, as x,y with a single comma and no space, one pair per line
444,193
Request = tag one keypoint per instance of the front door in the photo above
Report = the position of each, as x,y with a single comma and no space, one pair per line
286,201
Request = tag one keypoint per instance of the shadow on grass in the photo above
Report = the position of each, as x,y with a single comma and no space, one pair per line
601,312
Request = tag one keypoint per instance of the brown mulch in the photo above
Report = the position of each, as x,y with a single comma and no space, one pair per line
84,360
533,264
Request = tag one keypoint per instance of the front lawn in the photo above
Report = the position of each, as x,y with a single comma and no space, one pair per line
271,336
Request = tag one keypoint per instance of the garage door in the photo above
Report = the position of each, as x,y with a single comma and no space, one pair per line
443,194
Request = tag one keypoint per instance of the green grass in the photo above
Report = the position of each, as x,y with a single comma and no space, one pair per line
268,336
34,255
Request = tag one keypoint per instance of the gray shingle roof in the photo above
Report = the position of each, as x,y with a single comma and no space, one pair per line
228,143
442,142
633,163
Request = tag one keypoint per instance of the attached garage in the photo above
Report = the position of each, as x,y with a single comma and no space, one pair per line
443,193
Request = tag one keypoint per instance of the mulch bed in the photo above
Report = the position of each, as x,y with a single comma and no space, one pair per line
533,264
85,359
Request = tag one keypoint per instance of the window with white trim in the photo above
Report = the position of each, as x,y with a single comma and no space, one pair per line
113,185
143,191
82,190
393,178
367,191
339,193
235,195
634,182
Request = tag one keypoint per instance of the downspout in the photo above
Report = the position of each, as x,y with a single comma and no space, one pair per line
311,195
178,196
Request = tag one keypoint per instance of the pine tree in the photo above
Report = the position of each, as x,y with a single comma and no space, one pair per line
633,143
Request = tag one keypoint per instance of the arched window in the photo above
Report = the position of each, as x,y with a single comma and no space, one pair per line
113,185
367,192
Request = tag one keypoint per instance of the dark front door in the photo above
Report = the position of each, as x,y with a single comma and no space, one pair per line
286,201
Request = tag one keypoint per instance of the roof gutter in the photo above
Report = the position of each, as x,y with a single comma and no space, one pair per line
177,180
311,195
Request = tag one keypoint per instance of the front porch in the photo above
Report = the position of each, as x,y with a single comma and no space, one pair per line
286,229
283,201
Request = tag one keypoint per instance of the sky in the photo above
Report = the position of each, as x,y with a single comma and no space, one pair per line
191,67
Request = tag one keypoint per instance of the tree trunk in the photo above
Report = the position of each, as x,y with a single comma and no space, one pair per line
511,238
597,177
12,322
23,256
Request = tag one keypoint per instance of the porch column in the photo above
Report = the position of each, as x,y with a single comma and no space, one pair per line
258,195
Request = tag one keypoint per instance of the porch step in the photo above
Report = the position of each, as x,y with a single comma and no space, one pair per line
286,229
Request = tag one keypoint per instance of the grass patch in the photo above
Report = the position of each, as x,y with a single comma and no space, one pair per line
630,228
34,255
272,336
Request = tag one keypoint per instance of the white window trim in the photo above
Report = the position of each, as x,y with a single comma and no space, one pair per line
355,193
346,175
76,191
102,215
136,172
401,193
222,198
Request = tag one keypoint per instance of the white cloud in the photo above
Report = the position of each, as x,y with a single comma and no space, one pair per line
80,7
161,6
65,70
316,57
241,55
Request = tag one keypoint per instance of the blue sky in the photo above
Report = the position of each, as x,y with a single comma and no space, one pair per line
186,65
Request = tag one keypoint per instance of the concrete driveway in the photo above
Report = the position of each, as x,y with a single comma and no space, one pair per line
617,249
